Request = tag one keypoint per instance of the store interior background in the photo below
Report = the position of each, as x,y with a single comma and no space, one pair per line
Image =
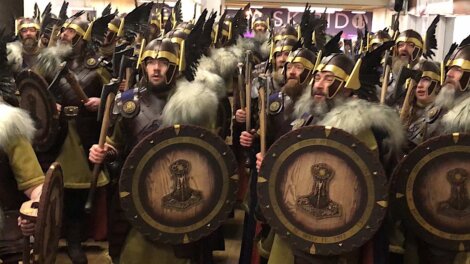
453,27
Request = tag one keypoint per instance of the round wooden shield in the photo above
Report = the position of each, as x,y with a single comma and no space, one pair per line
39,102
49,219
323,190
431,191
178,184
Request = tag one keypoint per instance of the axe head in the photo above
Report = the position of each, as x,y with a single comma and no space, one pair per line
119,52
406,73
127,61
63,69
111,88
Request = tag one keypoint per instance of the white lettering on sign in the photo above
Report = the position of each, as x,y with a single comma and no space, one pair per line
278,18
359,21
291,15
346,21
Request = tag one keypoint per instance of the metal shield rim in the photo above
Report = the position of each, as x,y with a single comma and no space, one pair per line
32,77
128,183
335,245
53,179
402,193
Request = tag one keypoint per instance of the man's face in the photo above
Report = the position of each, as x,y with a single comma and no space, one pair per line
28,33
281,58
453,76
68,35
422,91
156,71
294,70
321,85
405,50
260,28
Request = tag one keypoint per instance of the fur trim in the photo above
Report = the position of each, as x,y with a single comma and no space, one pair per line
193,103
212,81
49,59
14,122
357,115
265,49
304,104
15,55
458,118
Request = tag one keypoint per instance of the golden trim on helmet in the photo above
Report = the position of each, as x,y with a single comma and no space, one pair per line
337,71
434,76
283,48
154,54
306,63
462,63
28,25
415,41
75,27
281,37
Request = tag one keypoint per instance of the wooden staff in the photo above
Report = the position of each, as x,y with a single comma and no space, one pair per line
385,78
129,76
262,114
405,110
54,36
101,142
248,69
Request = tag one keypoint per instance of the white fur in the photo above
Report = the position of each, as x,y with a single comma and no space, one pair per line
211,81
14,122
458,118
14,55
357,115
193,103
49,59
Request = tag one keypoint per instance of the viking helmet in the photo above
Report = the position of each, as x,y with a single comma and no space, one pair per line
82,28
345,71
431,70
305,57
25,22
286,31
260,21
412,37
163,49
461,58
379,38
281,46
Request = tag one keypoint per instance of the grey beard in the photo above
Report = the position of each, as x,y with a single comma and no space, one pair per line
397,64
261,37
446,97
30,45
322,108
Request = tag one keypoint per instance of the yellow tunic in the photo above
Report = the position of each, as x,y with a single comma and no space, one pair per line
74,162
23,163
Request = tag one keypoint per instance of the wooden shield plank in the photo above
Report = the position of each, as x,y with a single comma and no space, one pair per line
39,102
178,184
323,190
431,191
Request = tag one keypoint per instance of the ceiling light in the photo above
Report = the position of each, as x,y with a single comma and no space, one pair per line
358,12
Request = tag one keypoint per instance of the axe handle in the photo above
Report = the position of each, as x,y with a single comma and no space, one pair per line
101,142
405,109
262,118
385,80
53,38
26,250
128,79
241,91
76,87
248,106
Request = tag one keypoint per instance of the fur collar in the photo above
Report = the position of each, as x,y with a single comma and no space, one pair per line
458,118
357,115
15,56
14,122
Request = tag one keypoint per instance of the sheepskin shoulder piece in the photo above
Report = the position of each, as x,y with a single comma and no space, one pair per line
14,122
357,115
